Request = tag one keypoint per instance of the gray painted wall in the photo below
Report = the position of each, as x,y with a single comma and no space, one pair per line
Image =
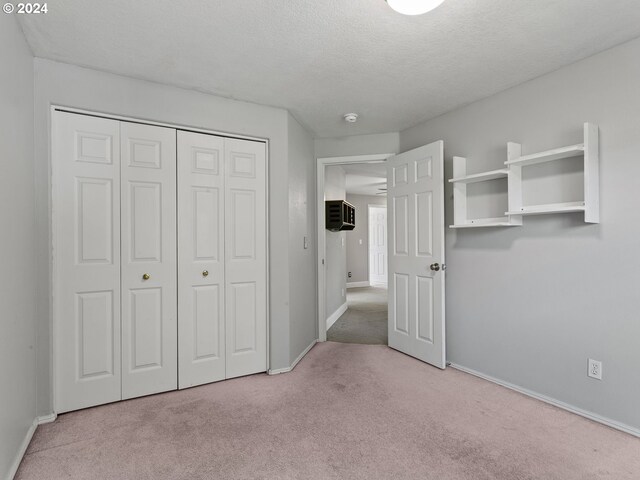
17,234
358,255
336,249
61,84
357,145
302,223
529,305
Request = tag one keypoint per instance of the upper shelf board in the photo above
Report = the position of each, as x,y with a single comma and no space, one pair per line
481,177
548,156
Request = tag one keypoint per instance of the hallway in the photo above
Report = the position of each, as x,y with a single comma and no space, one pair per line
365,320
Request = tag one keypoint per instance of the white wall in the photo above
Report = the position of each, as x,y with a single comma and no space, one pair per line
357,254
71,86
302,223
529,305
357,145
17,235
336,249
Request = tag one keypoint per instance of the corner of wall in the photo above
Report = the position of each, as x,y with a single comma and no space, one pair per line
302,213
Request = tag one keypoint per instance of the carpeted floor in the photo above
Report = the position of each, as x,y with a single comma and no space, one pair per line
346,412
365,320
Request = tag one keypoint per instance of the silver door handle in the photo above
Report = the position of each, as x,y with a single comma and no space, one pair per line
435,267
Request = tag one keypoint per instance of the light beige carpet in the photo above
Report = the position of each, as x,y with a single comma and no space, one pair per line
346,412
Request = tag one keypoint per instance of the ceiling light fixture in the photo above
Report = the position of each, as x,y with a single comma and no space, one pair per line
414,7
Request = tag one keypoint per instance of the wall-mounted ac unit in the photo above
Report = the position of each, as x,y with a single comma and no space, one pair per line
340,215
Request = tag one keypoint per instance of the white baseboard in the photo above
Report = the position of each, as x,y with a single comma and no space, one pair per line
27,439
336,315
47,418
295,362
552,401
21,451
358,284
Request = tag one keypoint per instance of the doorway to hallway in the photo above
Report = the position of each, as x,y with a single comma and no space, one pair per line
414,189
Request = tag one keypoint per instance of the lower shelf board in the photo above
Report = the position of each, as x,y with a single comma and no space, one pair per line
486,222
566,207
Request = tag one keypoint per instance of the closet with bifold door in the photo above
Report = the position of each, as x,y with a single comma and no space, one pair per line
159,257
222,257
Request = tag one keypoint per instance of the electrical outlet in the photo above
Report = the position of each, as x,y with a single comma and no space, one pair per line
595,369
360,241
305,243
349,274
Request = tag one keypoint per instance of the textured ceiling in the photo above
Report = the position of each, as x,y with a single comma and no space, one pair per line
323,58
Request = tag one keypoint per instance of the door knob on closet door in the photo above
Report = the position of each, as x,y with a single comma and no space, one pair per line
435,267
146,276
205,273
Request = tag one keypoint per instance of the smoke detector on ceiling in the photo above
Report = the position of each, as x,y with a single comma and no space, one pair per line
351,117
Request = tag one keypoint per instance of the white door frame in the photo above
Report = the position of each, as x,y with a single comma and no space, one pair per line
54,240
322,163
369,207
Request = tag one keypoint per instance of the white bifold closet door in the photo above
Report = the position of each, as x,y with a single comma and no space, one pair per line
148,252
222,258
146,300
115,288
86,229
201,259
245,257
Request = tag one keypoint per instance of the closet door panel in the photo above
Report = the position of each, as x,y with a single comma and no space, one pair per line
201,310
86,223
149,263
245,257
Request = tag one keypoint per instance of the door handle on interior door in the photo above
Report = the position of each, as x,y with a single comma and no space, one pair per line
435,267
205,273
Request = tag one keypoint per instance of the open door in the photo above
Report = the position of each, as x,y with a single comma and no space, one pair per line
415,193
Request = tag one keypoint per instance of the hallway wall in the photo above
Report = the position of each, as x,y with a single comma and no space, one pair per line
358,254
336,249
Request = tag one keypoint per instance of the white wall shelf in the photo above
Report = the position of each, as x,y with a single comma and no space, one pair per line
590,204
565,207
485,222
548,156
481,177
460,181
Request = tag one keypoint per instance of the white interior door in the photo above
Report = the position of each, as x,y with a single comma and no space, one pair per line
245,257
415,192
201,331
149,290
86,219
377,245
